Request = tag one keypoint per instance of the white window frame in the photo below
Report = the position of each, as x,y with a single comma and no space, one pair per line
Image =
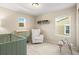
64,30
67,34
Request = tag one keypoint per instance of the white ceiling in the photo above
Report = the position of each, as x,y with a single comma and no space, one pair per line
29,9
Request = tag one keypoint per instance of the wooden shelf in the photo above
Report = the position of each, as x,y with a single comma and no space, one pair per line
43,22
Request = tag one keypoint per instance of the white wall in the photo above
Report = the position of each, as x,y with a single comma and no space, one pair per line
49,29
8,19
77,26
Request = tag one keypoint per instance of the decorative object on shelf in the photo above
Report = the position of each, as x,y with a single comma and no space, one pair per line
43,22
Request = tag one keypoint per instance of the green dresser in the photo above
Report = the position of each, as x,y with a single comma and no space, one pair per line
12,45
24,34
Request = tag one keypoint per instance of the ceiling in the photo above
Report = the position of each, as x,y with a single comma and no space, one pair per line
29,9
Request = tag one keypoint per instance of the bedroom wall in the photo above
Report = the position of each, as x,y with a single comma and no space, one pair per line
9,19
49,29
77,26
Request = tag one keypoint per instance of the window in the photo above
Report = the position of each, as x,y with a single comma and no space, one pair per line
66,29
23,24
62,25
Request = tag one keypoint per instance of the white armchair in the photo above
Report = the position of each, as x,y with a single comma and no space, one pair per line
36,36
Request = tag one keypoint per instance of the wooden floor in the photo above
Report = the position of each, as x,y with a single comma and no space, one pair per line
46,49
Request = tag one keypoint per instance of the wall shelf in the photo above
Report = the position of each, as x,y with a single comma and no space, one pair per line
43,22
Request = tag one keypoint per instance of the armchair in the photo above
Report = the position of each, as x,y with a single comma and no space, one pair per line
36,36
